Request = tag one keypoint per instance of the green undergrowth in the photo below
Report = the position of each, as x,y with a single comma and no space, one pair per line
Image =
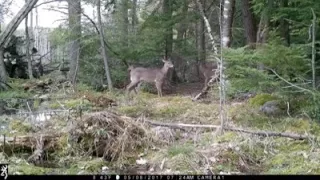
293,157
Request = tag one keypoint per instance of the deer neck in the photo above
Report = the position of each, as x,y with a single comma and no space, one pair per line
164,69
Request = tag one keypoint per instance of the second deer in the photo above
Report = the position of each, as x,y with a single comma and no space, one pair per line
207,69
150,75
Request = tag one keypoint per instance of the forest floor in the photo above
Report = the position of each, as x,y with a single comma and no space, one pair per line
182,150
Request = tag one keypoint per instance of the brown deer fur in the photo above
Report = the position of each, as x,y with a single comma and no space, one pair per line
150,75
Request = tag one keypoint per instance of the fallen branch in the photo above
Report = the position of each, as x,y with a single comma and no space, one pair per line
259,133
207,87
10,144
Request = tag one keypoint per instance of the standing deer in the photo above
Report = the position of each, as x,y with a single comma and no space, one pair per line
150,75
207,69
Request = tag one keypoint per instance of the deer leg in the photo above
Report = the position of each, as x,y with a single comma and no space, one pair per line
131,86
137,88
206,81
159,88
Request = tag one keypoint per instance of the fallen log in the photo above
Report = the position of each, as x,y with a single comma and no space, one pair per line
28,142
258,133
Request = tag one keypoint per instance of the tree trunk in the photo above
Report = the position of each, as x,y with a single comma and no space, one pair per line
74,11
183,25
103,48
220,67
28,47
263,29
7,33
37,29
134,16
284,25
227,20
201,37
3,72
167,10
124,23
249,24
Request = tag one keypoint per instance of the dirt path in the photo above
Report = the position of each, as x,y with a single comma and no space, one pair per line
185,89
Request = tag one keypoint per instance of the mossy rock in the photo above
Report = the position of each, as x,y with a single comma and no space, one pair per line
260,99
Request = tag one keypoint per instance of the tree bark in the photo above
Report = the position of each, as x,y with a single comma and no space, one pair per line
28,47
103,48
167,10
124,23
3,72
249,24
74,11
227,20
134,16
263,29
182,27
201,37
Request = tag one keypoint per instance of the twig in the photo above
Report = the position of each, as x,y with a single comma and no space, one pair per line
43,3
288,109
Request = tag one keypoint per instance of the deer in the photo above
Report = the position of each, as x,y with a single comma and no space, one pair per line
149,75
207,69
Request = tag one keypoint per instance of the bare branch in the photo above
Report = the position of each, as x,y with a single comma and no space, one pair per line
259,133
298,87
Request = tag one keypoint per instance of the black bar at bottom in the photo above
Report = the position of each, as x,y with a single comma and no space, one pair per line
162,177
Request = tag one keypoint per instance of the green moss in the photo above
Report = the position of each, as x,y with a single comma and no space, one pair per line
36,104
228,162
92,166
256,151
180,149
27,169
290,146
169,111
62,146
260,99
81,87
286,163
293,157
14,94
246,116
54,105
74,103
226,137
315,129
134,111
298,125
20,127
